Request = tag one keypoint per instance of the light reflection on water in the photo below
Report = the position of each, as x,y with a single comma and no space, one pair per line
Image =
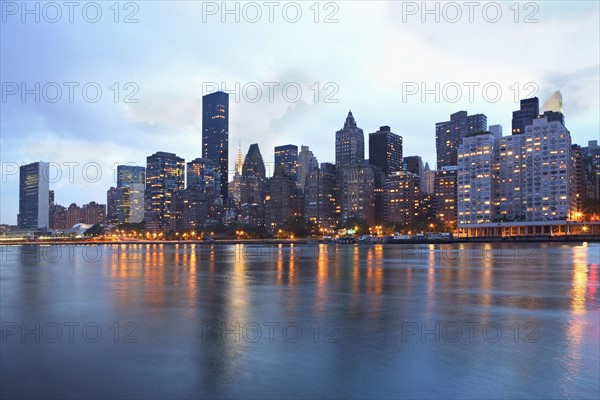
304,321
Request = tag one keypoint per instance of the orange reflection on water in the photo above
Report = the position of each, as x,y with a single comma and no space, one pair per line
355,271
292,272
192,278
593,282
126,261
155,268
579,280
279,264
431,263
374,272
576,327
486,276
322,278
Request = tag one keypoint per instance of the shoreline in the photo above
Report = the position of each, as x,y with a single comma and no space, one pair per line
513,239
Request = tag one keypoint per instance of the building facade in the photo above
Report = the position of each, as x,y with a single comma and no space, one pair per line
446,191
307,162
357,193
349,144
279,200
530,109
286,160
131,184
402,198
385,150
34,196
321,197
215,135
477,179
449,134
253,177
536,174
164,177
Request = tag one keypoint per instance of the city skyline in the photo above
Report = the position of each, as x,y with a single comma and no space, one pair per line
172,74
459,121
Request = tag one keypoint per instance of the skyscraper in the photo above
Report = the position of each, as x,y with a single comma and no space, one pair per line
413,164
385,150
34,196
349,144
112,205
427,180
307,162
445,188
235,187
401,198
215,134
321,203
286,159
131,184
536,174
449,134
357,193
164,177
253,176
530,109
279,200
204,175
477,178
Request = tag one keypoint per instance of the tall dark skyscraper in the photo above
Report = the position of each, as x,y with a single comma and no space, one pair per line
253,176
449,134
286,160
349,144
385,150
530,109
215,134
414,164
164,177
34,196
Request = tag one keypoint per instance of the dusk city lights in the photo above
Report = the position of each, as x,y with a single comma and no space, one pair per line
326,199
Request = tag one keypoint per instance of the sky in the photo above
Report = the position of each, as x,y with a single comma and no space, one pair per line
97,84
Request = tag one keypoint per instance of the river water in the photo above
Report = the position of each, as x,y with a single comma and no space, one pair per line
298,321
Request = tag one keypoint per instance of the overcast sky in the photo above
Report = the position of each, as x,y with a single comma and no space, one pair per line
372,57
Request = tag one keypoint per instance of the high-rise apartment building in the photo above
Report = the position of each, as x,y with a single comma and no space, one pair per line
385,150
478,170
446,190
279,200
530,110
286,160
536,174
321,197
402,198
357,193
449,134
164,177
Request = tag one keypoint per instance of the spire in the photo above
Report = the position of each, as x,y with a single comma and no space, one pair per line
239,160
554,103
350,122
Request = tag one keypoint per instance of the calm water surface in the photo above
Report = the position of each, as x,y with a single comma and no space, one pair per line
364,321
